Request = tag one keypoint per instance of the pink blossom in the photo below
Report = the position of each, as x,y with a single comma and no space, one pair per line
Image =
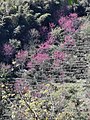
41,57
67,23
56,63
44,46
51,25
73,15
62,20
22,55
62,45
30,65
69,40
51,39
59,55
8,49
48,43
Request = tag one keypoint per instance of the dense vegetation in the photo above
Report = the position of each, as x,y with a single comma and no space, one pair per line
44,60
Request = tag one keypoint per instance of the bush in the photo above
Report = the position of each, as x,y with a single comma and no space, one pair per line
44,64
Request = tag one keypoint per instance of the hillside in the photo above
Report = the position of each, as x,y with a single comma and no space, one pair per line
44,60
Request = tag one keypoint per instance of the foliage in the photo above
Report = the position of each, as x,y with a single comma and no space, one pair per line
44,62
18,17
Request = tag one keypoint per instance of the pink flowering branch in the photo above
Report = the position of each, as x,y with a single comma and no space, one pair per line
67,22
8,49
41,57
22,55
